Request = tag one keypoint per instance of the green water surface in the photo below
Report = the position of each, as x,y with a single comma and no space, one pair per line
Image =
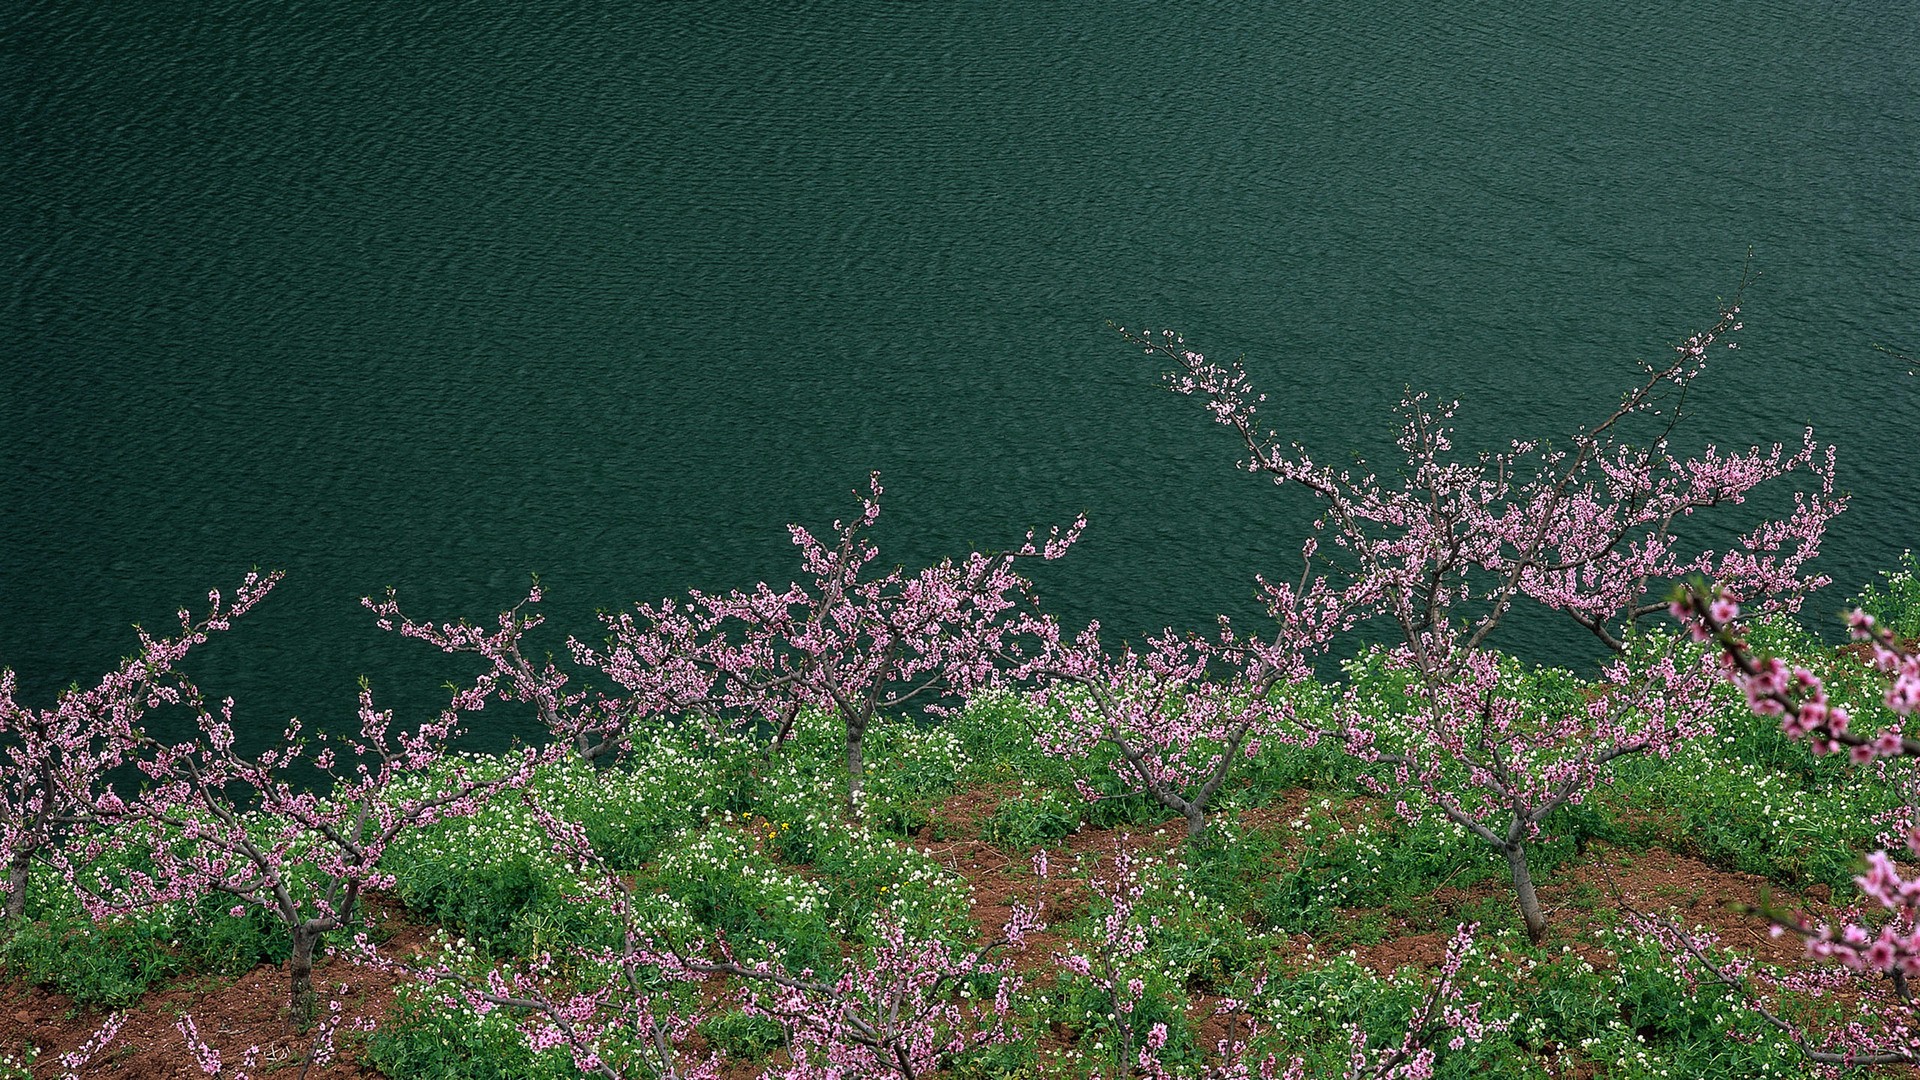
437,295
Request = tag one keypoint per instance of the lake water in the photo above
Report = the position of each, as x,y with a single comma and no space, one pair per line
437,295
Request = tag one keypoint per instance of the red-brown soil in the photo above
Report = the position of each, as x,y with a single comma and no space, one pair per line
232,1015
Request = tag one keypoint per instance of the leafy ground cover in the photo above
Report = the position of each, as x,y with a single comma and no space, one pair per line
1306,899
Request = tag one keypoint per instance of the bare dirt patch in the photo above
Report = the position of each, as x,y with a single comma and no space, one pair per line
961,814
232,1015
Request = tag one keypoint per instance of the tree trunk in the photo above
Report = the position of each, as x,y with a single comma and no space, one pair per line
791,717
1516,853
16,890
1193,810
1196,819
856,734
300,1000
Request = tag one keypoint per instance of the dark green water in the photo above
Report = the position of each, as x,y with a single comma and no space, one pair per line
435,295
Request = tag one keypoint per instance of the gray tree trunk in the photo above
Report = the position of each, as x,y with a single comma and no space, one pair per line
16,891
300,999
855,766
1523,889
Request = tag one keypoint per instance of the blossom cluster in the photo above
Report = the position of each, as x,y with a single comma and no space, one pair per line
1881,954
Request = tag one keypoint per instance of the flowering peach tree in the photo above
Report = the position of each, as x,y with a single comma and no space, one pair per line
853,643
57,759
212,819
1176,716
1446,545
